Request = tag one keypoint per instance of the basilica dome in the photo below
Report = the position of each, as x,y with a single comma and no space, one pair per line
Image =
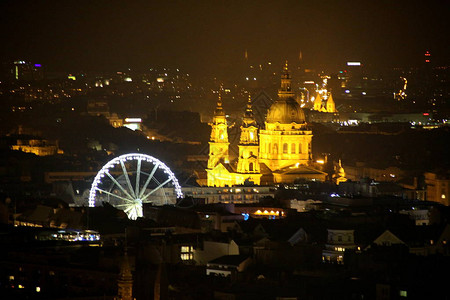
285,111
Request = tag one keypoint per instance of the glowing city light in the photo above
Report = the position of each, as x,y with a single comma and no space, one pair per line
133,120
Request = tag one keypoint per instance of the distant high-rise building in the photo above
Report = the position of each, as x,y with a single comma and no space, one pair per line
26,71
427,57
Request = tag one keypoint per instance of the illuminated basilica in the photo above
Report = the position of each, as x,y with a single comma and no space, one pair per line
279,153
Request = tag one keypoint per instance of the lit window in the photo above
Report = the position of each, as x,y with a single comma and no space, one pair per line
187,253
403,294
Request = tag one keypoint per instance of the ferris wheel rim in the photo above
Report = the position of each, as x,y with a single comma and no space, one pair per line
136,196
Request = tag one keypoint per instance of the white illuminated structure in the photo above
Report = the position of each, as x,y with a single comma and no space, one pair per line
128,181
133,123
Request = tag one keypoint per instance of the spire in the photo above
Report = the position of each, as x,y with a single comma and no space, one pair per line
286,76
331,106
125,281
248,118
219,109
285,88
249,110
125,270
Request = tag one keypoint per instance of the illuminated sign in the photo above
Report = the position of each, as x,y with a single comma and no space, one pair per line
37,65
353,63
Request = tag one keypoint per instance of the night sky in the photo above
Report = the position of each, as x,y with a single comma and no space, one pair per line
206,36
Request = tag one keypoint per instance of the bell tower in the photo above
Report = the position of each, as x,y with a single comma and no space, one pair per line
248,161
218,142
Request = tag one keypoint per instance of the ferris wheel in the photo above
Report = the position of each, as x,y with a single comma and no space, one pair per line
128,181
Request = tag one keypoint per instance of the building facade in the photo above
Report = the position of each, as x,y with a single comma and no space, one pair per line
278,153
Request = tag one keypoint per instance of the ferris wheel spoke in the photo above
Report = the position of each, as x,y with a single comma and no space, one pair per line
155,189
123,205
138,177
119,185
129,208
127,178
150,176
114,195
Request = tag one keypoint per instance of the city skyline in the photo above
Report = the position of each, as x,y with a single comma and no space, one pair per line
207,37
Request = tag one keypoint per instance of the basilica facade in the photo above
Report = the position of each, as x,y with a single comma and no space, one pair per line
280,152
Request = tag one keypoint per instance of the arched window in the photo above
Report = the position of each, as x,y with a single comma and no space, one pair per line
285,148
275,148
270,149
250,166
300,148
293,148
